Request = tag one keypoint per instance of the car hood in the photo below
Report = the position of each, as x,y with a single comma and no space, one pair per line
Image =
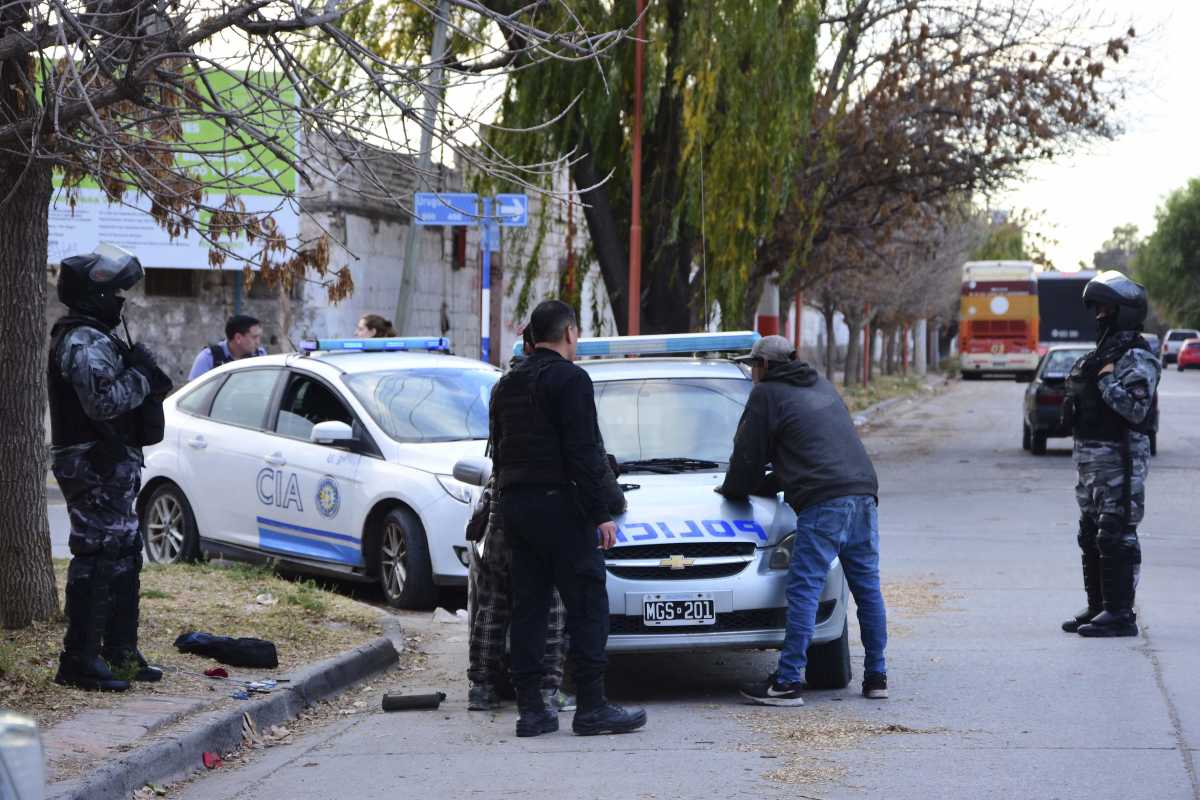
436,457
684,507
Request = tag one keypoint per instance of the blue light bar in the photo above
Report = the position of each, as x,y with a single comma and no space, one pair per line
665,344
390,344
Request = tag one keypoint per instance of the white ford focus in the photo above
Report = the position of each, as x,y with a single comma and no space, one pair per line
333,461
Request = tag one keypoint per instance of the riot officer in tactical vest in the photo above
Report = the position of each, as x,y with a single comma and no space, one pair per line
105,405
1112,395
552,471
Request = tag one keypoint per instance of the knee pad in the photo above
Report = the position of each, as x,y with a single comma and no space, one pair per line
1087,534
1117,540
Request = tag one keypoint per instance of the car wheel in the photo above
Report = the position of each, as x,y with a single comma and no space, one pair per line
1038,444
405,572
1026,439
829,664
1179,367
169,527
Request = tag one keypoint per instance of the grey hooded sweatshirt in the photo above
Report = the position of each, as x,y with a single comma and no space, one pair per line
796,421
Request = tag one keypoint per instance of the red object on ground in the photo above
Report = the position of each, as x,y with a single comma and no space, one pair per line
212,761
216,672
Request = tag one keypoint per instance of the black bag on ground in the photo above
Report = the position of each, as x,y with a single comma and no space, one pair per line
244,652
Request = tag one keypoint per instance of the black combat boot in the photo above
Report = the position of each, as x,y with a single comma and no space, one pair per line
120,635
1117,618
1095,597
80,664
535,719
595,715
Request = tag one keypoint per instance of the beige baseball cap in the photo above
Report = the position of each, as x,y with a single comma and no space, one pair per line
770,348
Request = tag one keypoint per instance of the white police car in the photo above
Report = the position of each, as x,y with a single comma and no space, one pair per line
334,461
692,570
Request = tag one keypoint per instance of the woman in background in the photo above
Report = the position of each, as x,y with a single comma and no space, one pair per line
373,326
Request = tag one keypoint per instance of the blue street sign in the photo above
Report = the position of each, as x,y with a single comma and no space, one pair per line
446,208
512,210
490,237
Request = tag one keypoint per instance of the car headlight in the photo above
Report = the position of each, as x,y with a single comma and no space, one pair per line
456,489
782,555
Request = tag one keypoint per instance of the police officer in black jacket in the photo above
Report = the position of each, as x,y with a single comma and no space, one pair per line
552,474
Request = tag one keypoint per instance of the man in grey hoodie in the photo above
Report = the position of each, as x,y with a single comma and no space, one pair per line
796,422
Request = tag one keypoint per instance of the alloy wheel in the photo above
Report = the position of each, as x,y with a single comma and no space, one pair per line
165,529
394,555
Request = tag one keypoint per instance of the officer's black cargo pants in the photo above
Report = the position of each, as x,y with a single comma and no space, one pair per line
554,547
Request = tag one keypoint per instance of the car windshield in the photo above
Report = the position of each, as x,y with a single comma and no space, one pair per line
1059,362
427,405
691,419
1179,336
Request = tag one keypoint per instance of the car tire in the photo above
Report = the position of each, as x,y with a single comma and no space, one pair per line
402,562
1026,437
829,664
168,527
1037,445
1179,367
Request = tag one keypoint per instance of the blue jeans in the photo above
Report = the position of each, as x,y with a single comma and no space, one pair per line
847,528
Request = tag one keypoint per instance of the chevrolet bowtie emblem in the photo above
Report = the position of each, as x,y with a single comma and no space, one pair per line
676,562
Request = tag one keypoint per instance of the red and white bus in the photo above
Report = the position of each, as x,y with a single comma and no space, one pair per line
998,319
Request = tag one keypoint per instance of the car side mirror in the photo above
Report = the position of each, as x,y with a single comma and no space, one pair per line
473,470
332,432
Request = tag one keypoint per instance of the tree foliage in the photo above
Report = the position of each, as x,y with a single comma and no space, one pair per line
1168,261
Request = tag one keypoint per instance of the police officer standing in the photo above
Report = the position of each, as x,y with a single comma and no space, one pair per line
1111,402
105,404
552,471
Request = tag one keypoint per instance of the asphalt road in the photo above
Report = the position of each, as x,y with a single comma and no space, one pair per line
988,697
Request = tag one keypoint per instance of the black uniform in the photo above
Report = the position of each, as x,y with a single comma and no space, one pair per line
552,471
105,404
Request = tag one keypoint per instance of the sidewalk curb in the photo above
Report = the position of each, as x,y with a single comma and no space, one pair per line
867,415
177,756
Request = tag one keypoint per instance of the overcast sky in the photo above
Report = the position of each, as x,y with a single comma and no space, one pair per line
1084,196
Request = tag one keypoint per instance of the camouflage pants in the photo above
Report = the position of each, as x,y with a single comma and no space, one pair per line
103,580
1101,485
492,612
1111,492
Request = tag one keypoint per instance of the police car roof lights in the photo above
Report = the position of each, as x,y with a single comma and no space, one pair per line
387,344
665,344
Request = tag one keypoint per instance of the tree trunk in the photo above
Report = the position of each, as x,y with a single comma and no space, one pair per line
853,364
889,350
27,592
829,313
605,233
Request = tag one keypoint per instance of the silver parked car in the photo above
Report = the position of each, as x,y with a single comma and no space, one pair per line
692,570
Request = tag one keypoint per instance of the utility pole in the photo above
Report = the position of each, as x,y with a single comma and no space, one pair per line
433,101
635,227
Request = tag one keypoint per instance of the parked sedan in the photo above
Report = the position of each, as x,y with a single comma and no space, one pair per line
1189,355
1174,340
1045,395
335,462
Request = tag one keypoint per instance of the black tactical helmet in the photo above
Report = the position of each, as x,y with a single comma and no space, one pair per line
1112,288
91,284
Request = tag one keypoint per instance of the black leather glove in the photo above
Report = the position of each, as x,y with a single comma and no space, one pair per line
143,360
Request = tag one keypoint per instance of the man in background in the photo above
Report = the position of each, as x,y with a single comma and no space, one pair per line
243,339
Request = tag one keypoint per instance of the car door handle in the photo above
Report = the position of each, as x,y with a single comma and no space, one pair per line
276,460
197,443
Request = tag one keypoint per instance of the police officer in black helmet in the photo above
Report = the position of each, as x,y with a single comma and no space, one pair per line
1112,393
105,405
552,472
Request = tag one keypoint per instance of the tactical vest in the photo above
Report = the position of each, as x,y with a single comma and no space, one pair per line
530,448
69,423
1093,419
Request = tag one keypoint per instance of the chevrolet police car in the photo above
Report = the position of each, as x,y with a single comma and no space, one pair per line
692,570
333,461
